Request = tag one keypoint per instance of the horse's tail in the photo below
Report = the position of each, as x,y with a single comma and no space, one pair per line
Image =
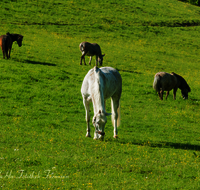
4,45
118,112
156,83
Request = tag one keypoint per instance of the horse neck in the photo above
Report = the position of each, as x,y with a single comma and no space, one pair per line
181,82
98,97
14,37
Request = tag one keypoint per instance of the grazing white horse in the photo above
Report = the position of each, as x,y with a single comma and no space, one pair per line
99,85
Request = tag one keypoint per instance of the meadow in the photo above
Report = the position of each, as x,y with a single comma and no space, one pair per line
42,117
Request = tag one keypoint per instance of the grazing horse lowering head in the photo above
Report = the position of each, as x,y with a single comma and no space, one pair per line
100,59
99,121
99,85
184,93
165,82
185,89
19,40
91,49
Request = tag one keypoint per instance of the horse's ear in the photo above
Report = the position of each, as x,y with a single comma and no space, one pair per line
103,55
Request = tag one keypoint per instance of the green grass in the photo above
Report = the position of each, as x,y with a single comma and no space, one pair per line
42,117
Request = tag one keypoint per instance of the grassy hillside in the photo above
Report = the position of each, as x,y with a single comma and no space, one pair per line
42,118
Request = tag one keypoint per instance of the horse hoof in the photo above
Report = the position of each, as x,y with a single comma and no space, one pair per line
116,136
88,135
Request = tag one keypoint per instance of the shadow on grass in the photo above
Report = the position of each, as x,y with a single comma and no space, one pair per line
183,146
33,62
128,71
39,63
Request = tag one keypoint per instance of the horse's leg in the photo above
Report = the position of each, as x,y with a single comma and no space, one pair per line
7,54
2,51
87,110
174,93
161,94
83,57
3,54
81,61
115,106
84,60
90,60
9,51
167,93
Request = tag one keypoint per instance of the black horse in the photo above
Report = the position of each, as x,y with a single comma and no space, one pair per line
6,42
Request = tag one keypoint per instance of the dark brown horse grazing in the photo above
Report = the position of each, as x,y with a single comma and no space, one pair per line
6,42
91,49
166,82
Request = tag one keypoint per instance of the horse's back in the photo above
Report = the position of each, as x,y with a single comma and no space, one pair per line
166,81
112,74
89,78
91,48
112,82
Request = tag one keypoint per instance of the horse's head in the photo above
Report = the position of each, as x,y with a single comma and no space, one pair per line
100,59
185,92
99,121
19,40
183,85
185,89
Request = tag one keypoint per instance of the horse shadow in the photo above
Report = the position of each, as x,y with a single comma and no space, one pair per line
183,146
33,62
128,71
39,63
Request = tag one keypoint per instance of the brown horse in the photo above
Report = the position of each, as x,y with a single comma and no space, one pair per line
91,49
166,82
6,42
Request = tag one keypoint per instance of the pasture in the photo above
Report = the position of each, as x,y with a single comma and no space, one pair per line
42,117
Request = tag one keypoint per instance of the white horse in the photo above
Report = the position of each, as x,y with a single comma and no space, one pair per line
99,85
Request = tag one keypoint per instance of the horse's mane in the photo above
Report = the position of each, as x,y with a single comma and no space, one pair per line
183,83
97,87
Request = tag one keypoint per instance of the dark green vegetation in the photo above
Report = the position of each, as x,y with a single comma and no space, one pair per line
42,118
193,2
